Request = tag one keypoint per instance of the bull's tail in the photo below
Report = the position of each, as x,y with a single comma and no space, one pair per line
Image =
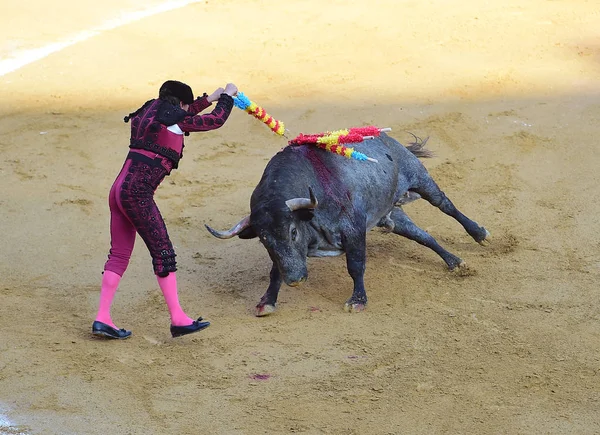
418,147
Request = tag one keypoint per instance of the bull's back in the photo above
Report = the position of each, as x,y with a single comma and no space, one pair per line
343,176
370,188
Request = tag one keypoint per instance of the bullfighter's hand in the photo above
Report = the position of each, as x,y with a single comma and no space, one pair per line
215,95
231,89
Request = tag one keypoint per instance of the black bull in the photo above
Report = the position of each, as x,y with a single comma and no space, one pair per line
346,199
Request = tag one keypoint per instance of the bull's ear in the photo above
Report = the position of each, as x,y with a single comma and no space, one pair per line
247,233
304,214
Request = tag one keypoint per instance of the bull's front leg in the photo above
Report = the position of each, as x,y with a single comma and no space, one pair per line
356,258
267,303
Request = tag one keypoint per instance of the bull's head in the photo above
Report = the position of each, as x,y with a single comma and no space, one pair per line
283,231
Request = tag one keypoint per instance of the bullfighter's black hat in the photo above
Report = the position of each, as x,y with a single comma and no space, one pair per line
177,89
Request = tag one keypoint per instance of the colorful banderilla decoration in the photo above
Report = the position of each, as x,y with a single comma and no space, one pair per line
333,141
244,103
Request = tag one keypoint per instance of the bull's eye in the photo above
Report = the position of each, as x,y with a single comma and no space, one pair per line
294,234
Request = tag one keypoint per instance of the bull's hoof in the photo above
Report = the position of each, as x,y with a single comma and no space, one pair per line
486,239
463,269
354,307
264,310
453,262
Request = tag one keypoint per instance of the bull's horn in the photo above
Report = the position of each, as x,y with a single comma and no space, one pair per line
234,231
300,203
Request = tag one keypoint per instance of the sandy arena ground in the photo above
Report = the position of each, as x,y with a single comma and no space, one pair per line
506,90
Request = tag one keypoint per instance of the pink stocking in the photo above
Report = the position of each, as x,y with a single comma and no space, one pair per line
168,285
110,282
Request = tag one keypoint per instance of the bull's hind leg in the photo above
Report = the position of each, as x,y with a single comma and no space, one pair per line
399,223
267,303
431,192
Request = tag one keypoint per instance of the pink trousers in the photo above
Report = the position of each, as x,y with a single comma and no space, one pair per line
133,210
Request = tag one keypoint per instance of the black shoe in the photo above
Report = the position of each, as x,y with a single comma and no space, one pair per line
99,328
197,325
